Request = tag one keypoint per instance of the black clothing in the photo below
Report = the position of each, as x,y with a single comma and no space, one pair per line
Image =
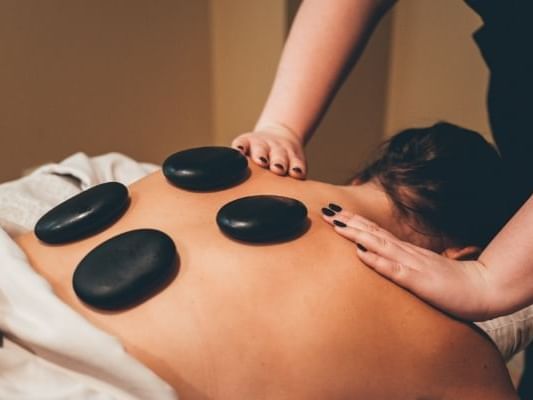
506,44
505,41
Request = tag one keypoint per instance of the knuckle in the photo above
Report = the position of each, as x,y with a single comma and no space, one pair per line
277,151
272,141
237,141
296,151
397,268
372,227
382,242
352,219
259,146
403,274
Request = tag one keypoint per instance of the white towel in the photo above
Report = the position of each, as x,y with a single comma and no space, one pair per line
24,201
50,351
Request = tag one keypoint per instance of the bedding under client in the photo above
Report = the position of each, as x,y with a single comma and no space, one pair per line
302,319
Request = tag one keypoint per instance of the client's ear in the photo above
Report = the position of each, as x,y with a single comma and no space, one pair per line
462,253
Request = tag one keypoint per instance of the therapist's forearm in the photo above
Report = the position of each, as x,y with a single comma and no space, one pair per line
509,262
325,41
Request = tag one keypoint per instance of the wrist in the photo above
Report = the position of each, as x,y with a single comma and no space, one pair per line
496,296
483,300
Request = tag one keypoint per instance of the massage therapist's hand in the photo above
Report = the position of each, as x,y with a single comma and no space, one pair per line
461,288
276,148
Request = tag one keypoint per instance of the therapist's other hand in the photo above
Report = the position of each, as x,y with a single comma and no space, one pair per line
275,148
460,288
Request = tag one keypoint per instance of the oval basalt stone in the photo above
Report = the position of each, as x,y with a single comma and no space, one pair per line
206,168
125,270
83,214
263,218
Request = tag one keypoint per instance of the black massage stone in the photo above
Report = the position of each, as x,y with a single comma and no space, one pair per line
263,218
84,214
126,269
206,168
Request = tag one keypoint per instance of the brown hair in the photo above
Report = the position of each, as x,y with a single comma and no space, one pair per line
445,181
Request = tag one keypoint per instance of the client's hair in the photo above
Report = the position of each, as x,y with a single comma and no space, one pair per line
445,181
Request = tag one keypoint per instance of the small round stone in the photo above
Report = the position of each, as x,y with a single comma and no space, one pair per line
263,218
126,269
83,214
206,168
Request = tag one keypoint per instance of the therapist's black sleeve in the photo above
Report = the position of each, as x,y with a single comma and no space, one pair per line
506,43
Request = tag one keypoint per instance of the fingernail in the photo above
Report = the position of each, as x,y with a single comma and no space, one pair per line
298,170
263,160
279,166
361,247
328,212
339,223
335,207
240,147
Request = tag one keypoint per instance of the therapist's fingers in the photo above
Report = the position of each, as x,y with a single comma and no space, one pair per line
329,214
392,261
364,224
255,146
359,222
242,144
279,160
259,152
297,164
336,212
393,270
276,149
384,247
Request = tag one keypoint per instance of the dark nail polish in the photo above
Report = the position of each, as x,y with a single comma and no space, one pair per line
339,223
298,170
328,212
279,166
361,247
335,207
240,147
263,160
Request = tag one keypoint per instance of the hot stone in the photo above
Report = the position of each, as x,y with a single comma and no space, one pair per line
126,269
83,214
206,168
263,218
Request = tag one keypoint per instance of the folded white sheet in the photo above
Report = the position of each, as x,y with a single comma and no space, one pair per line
511,333
25,200
49,351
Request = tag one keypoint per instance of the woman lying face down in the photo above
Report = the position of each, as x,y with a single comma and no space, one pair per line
304,319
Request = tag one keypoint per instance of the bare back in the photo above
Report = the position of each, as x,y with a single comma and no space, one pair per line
302,319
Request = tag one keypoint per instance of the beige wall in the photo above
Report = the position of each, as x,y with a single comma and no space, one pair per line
98,76
147,78
246,41
354,125
436,71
